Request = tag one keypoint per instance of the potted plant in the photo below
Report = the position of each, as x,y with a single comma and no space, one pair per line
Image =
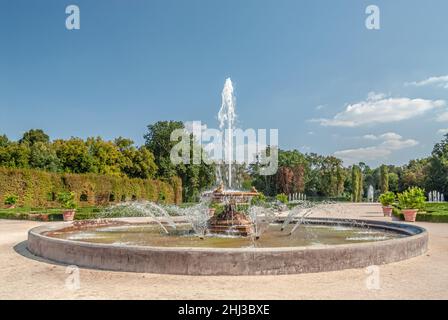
387,199
67,200
10,201
410,201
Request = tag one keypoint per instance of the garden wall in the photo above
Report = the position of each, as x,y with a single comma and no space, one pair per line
39,188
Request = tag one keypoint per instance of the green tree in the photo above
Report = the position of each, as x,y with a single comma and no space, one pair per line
357,188
105,156
33,136
74,155
44,157
158,142
15,155
437,167
415,174
195,177
138,163
4,141
384,179
393,182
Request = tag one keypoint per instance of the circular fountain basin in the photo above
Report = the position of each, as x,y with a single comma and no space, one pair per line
318,245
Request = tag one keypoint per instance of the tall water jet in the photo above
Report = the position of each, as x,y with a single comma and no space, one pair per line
227,115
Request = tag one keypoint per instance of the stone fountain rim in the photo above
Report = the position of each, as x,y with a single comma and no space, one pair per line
229,261
392,226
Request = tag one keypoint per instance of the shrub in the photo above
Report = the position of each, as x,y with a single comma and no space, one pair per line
412,198
67,200
258,200
36,188
387,198
11,200
283,198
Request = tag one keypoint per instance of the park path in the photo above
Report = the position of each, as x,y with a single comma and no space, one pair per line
23,276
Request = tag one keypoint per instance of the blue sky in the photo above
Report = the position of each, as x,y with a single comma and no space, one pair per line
309,68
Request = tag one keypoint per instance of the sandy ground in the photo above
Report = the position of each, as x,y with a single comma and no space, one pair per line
23,276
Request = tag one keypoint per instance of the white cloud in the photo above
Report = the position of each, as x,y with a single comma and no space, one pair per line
320,107
441,81
370,137
390,136
390,142
442,131
443,117
377,108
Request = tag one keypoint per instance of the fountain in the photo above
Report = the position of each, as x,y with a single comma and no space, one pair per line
227,114
224,234
436,196
231,221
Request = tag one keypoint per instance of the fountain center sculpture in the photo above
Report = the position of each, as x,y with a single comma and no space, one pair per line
231,221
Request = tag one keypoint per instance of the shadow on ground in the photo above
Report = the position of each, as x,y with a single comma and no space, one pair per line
22,249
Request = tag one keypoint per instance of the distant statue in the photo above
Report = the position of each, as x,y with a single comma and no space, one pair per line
370,194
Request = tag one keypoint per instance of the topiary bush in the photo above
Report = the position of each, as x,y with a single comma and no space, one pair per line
67,200
387,198
412,198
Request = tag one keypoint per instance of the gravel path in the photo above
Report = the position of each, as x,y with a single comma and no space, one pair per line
23,276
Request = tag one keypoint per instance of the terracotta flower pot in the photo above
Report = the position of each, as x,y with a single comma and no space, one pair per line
44,217
38,217
69,215
409,214
387,211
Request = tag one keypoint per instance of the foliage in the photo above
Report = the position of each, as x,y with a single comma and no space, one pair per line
437,171
283,198
327,175
415,174
75,155
258,200
412,198
310,173
195,177
387,198
384,179
357,189
37,188
393,182
44,157
67,200
35,136
158,141
11,199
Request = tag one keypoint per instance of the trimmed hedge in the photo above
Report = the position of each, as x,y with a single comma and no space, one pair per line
435,216
39,188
